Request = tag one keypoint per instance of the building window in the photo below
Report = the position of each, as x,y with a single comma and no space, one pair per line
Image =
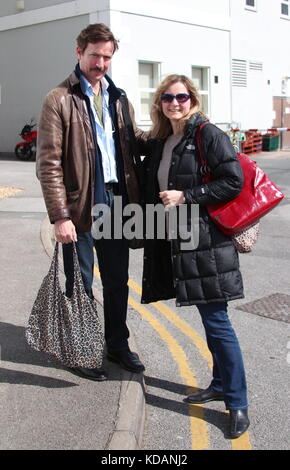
200,78
148,81
251,5
285,8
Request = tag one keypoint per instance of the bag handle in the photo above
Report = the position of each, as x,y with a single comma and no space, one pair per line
54,268
201,155
204,168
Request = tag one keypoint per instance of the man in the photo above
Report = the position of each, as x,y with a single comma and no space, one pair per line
83,159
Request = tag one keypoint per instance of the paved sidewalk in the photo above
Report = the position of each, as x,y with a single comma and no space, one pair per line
43,405
274,154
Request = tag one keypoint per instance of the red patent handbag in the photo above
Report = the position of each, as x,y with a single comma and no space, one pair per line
258,196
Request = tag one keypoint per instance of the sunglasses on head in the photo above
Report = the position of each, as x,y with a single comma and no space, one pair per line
180,97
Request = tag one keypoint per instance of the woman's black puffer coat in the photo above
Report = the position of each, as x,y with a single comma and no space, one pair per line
210,272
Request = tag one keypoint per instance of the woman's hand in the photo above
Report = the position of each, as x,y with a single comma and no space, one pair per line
172,198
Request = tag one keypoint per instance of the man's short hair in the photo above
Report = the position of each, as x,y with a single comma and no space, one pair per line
95,33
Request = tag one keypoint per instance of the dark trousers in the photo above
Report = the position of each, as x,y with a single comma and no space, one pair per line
113,260
228,368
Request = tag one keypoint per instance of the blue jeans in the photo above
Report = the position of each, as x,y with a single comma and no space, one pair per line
228,368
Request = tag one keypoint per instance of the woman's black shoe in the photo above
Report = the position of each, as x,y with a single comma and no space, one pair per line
205,396
239,423
99,375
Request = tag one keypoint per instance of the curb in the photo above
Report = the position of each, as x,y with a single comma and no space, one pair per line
130,418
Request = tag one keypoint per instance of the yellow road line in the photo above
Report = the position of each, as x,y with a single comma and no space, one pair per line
243,442
199,430
180,324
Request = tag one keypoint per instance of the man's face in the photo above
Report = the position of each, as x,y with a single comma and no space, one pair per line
95,60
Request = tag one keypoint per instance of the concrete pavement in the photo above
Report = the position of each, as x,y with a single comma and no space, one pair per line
43,405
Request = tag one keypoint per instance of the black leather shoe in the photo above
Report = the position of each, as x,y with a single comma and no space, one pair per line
126,359
239,423
98,375
203,397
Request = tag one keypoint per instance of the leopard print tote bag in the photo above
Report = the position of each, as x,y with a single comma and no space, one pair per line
66,328
245,240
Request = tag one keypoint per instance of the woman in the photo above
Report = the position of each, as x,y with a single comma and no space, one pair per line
207,276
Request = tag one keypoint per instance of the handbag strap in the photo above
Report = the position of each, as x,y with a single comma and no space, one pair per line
204,168
54,268
202,159
53,272
78,284
54,262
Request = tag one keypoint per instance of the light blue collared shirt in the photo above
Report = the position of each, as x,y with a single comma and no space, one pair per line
104,134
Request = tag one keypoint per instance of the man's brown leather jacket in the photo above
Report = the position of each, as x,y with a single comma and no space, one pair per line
65,163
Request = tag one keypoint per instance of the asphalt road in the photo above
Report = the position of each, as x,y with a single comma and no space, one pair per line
43,405
171,343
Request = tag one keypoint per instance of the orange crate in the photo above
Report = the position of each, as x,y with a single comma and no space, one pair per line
253,142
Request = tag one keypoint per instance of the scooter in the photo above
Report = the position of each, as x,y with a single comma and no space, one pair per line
25,150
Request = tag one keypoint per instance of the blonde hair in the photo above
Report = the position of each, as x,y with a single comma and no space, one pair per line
161,127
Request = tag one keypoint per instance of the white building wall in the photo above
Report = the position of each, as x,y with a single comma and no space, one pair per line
43,41
37,51
259,35
177,46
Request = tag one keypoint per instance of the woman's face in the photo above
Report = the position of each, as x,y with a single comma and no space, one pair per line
176,110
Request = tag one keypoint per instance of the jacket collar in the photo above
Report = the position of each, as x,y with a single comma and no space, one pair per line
114,92
195,120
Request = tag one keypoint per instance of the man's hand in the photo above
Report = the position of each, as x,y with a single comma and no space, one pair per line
172,198
65,231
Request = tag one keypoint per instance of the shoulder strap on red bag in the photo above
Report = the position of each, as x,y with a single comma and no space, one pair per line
202,159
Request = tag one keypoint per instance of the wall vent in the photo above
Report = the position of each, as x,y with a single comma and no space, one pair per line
256,66
239,72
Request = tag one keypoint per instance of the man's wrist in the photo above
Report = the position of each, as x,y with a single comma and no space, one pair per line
60,221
